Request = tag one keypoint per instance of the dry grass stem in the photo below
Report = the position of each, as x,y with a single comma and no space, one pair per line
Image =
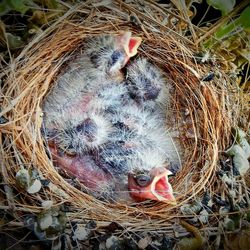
204,130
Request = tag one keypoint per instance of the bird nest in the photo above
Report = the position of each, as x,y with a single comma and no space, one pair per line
201,113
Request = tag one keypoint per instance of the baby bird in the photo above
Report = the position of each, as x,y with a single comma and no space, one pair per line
74,98
109,54
107,130
146,84
138,166
139,147
74,137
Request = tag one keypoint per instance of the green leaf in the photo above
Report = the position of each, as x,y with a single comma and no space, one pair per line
18,5
248,216
51,4
236,218
23,178
45,220
193,208
34,187
82,233
225,6
244,18
52,222
241,137
47,204
239,158
4,8
189,244
226,30
113,242
229,224
40,17
14,42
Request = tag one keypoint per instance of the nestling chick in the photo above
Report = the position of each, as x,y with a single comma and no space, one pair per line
109,54
90,133
76,91
139,145
97,180
146,84
109,131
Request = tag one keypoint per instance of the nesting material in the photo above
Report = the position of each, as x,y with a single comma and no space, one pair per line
201,114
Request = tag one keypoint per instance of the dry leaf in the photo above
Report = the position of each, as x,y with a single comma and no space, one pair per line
239,241
144,242
45,221
34,187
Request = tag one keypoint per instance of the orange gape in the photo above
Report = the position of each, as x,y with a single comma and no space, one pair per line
129,44
158,189
134,42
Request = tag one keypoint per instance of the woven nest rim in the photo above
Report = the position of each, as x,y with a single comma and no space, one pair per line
30,79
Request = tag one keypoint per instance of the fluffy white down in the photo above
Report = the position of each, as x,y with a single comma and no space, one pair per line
87,92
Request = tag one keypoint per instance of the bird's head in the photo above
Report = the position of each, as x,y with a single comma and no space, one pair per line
152,186
148,178
110,53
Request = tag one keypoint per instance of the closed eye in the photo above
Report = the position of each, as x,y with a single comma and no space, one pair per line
115,57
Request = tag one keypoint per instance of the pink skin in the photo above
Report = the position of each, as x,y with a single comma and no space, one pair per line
83,168
159,189
95,178
129,44
82,106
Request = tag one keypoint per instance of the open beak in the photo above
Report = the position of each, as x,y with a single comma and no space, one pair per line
128,43
158,189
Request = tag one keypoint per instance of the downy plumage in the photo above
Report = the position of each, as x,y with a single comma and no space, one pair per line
109,130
